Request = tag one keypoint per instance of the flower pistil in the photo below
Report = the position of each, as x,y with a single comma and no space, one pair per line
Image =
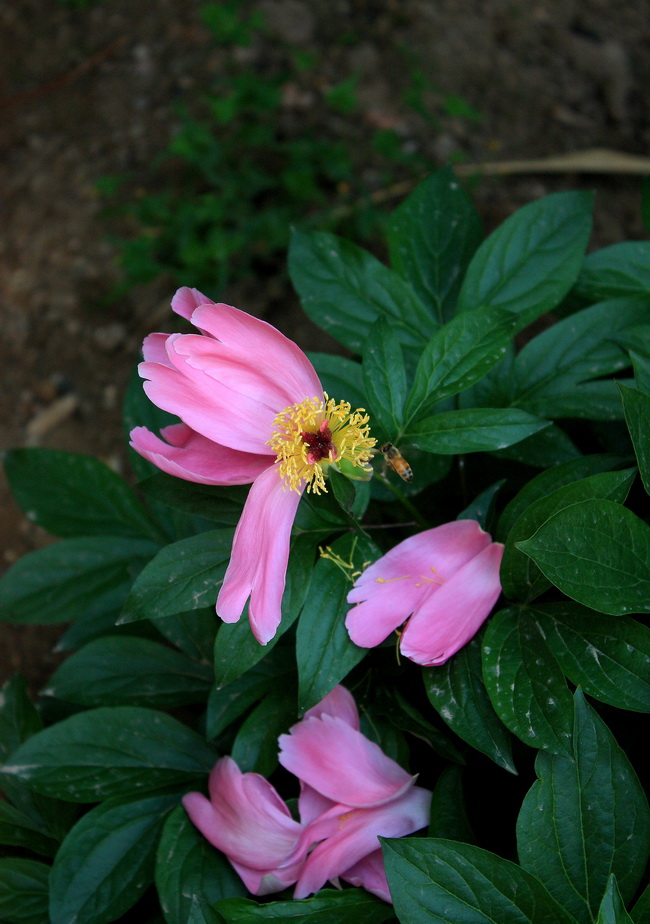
310,436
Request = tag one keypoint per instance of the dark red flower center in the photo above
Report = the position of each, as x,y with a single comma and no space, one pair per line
320,444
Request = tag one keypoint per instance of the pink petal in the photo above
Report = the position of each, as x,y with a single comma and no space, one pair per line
339,703
341,763
231,371
356,837
265,882
195,458
244,817
186,301
215,412
260,553
154,349
452,615
263,346
370,874
395,585
444,548
370,622
311,804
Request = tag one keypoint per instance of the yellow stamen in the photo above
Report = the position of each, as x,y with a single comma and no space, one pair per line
346,816
349,439
347,567
427,580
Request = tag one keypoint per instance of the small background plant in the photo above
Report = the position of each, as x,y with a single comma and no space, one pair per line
249,161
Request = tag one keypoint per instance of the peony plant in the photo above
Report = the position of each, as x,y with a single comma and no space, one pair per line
359,637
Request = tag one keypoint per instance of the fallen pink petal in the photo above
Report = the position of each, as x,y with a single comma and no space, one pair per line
252,410
442,583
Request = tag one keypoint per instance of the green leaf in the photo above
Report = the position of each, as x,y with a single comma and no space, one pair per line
343,490
520,578
330,906
525,683
548,447
119,671
107,860
482,507
448,814
587,401
319,515
621,269
324,651
204,501
384,377
255,748
598,553
225,705
94,755
75,495
636,340
17,829
236,650
92,626
551,376
641,910
641,365
606,655
585,818
478,429
344,289
33,821
548,481
192,632
23,891
432,236
183,576
201,913
612,910
529,263
457,356
72,578
403,716
457,691
19,719
341,378
435,881
636,406
188,867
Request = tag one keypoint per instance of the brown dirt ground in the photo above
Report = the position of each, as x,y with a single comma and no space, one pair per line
91,92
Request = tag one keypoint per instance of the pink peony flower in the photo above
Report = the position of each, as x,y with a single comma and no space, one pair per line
252,410
444,581
247,820
351,793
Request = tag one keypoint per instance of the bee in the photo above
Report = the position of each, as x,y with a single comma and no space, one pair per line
394,458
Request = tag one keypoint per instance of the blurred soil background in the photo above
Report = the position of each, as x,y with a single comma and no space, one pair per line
91,91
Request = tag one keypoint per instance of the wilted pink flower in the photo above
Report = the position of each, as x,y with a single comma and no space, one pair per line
252,410
247,820
444,581
351,794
